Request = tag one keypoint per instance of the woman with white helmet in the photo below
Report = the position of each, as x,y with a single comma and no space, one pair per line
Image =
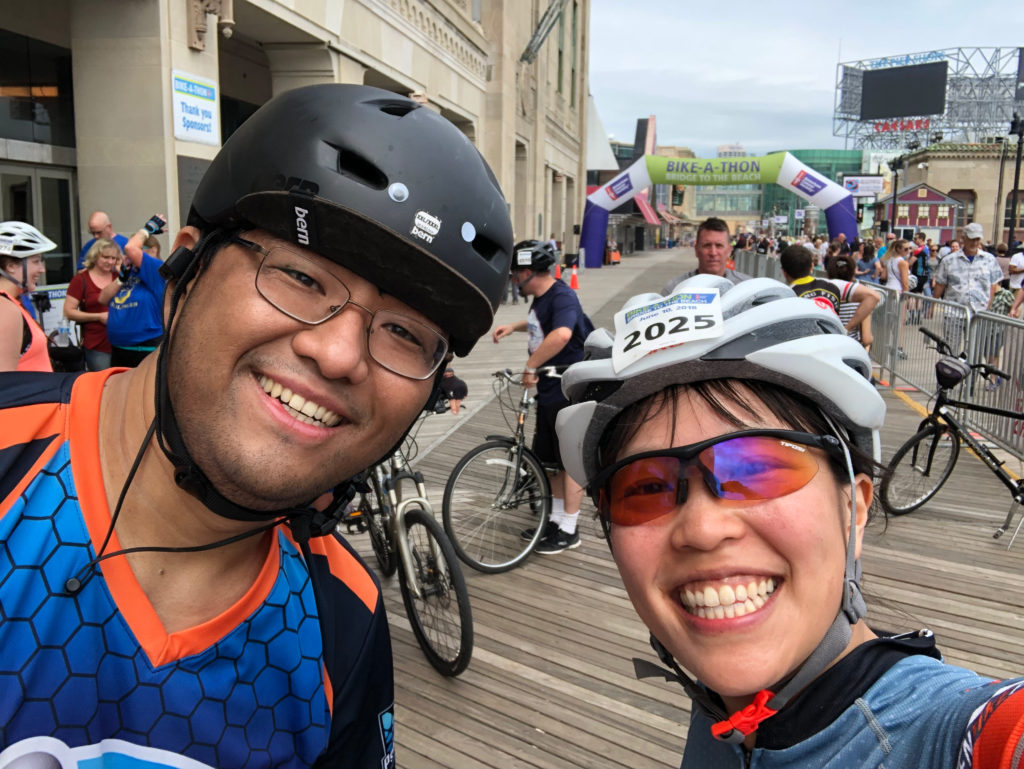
22,341
729,438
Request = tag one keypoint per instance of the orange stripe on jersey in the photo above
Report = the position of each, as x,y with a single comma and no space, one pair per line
26,423
136,608
1001,742
345,567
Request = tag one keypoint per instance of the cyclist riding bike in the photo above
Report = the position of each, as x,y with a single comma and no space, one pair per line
22,340
733,472
342,245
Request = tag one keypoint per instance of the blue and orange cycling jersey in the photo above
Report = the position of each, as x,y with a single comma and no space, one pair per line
297,673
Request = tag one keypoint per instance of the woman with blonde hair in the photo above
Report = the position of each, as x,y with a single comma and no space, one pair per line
82,303
895,269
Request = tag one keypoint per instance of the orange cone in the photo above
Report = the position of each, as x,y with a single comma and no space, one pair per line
558,271
574,282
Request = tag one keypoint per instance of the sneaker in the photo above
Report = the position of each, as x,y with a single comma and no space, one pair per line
549,531
558,542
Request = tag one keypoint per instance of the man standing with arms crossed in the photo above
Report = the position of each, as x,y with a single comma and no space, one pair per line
170,595
713,250
557,328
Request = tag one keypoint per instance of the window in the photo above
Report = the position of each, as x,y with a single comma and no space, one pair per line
924,212
966,200
561,45
903,211
572,68
1009,221
36,101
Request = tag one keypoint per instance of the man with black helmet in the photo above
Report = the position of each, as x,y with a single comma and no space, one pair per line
557,328
168,589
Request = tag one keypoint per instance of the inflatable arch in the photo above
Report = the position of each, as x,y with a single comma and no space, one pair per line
779,168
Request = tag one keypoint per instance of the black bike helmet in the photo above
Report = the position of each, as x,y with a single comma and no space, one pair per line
377,183
535,254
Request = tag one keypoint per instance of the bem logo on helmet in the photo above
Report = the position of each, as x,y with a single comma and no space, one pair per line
301,227
425,226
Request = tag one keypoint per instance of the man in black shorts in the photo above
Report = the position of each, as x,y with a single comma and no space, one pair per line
557,327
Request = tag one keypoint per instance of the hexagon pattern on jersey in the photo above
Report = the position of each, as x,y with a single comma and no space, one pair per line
72,669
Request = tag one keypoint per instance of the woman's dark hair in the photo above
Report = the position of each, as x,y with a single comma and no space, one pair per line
841,266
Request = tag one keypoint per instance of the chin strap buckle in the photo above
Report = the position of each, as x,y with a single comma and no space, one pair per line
744,722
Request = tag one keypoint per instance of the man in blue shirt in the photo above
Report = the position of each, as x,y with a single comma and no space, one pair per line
557,327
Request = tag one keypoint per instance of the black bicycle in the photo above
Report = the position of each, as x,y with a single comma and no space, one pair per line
407,538
499,490
921,466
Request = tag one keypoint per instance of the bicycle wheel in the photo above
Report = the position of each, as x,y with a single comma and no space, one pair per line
919,468
378,516
492,496
441,618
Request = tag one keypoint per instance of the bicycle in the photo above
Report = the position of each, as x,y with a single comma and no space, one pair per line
499,490
407,538
921,466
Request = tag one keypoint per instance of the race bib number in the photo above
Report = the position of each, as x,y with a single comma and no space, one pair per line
674,320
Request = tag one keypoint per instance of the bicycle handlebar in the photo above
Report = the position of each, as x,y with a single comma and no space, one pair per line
985,369
943,346
555,372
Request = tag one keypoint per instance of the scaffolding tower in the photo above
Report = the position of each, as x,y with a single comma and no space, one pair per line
984,86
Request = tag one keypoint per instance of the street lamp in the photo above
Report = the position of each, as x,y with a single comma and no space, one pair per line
1016,128
896,165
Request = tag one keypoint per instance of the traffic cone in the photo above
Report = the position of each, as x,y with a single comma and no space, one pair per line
558,271
574,282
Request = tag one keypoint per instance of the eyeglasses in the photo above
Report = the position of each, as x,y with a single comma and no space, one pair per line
309,293
747,466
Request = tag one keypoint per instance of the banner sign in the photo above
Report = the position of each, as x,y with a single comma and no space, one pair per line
196,114
777,168
864,186
798,214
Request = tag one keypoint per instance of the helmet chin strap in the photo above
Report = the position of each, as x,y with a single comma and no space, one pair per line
736,727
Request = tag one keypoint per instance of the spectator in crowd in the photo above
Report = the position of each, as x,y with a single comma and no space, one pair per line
796,269
23,345
454,389
869,266
135,300
82,303
841,270
889,238
895,269
921,265
1002,304
969,277
1003,259
556,327
712,247
840,240
1016,270
100,227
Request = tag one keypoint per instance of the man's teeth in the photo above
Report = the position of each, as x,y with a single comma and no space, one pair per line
303,410
727,601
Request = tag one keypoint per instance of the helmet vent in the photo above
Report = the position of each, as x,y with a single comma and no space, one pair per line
398,108
359,168
486,247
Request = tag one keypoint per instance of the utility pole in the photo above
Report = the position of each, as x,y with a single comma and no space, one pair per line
1016,128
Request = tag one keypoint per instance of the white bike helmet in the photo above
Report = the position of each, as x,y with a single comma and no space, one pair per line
768,334
22,240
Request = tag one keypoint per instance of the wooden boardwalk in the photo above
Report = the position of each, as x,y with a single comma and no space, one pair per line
551,682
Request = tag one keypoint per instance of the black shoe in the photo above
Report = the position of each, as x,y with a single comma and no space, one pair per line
549,530
558,542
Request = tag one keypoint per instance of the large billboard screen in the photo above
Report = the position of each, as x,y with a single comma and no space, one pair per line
904,91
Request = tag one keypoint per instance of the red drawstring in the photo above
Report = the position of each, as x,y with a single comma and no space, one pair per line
745,721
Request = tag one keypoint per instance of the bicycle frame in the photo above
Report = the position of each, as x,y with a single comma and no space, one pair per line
943,408
391,483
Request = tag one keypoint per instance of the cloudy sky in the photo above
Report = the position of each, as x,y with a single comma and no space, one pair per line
762,74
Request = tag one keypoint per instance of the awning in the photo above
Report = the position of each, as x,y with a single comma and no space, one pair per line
645,208
669,218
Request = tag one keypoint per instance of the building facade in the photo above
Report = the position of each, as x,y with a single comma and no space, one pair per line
739,205
979,177
120,105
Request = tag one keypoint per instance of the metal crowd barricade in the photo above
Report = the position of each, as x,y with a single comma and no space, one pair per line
902,352
998,340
